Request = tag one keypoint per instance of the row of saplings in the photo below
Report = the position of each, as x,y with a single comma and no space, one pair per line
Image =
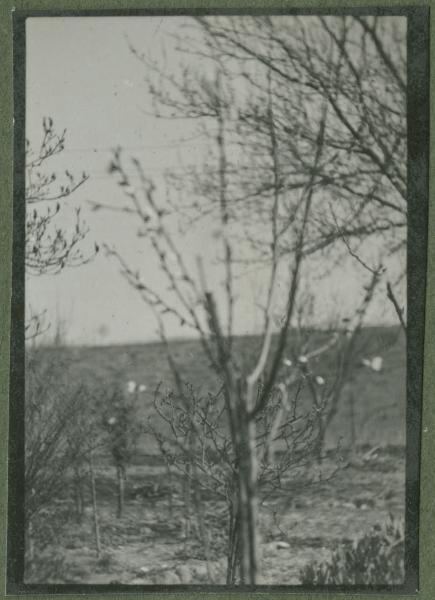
193,441
70,426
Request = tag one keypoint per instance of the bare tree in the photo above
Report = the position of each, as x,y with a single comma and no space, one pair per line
52,405
287,174
289,68
60,433
48,247
244,399
357,65
194,439
122,425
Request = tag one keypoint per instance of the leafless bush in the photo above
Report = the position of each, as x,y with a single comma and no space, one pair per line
61,434
193,436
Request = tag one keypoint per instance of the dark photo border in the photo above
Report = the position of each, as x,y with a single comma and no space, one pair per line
418,202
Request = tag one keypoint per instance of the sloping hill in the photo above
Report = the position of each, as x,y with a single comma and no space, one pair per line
379,398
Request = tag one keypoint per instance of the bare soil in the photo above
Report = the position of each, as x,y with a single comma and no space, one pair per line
148,544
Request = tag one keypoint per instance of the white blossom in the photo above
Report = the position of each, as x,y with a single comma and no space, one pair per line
131,387
377,363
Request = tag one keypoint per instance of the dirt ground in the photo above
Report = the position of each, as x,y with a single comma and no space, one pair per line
147,545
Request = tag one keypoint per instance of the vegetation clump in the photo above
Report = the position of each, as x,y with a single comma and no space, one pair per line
375,558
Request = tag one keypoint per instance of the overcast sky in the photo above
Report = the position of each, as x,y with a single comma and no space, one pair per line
81,73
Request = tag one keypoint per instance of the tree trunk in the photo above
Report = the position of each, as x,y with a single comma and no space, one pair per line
352,423
78,494
233,549
187,488
199,510
94,505
171,492
78,501
120,476
248,503
321,438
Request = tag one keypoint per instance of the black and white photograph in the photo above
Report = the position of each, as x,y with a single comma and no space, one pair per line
216,249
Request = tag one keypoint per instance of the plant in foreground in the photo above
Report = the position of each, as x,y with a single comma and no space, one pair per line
375,558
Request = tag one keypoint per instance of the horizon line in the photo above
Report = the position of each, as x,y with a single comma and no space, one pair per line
78,345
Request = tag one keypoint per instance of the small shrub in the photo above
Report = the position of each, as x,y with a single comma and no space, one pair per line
375,558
